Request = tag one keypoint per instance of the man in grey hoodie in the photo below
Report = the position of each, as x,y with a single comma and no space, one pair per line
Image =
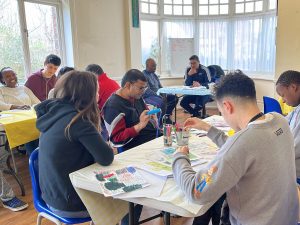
255,167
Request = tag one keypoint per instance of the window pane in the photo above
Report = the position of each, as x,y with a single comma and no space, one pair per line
203,10
213,10
149,39
249,7
239,8
213,1
145,8
177,10
43,28
213,42
239,0
258,6
10,39
168,9
272,4
203,1
188,10
168,1
153,8
223,1
188,2
153,1
223,9
177,2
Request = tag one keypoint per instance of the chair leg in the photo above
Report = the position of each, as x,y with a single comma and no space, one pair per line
45,215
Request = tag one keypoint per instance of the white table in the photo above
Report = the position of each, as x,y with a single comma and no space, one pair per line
184,90
109,210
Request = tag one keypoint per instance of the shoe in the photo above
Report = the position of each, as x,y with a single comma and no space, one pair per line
15,204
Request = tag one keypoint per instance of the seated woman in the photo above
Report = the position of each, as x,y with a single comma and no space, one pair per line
70,140
13,96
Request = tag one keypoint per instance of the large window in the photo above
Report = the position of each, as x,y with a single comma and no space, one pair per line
29,31
235,34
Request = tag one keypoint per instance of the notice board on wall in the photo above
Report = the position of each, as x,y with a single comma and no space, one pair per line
181,49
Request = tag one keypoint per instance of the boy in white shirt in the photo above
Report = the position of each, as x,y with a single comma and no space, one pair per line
288,87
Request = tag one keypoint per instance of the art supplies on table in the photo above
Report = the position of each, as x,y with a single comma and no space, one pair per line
182,135
167,134
114,182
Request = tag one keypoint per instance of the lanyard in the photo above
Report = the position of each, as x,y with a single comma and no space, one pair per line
256,117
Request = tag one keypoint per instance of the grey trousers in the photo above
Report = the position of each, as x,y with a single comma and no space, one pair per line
6,192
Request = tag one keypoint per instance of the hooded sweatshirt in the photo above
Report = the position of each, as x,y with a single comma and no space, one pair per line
256,169
59,156
39,85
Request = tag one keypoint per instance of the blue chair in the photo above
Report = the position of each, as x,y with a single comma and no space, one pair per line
39,204
271,105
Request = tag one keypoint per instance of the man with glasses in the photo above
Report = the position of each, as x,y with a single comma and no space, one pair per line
125,115
196,75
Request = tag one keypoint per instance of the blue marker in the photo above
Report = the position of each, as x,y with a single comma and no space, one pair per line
153,111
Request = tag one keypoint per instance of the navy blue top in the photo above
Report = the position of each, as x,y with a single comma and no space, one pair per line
200,76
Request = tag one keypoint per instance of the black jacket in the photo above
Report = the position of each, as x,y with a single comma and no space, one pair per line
58,157
201,76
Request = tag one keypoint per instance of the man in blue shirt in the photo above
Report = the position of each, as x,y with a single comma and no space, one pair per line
166,102
196,75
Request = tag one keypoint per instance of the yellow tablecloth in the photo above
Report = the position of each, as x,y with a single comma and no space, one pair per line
19,126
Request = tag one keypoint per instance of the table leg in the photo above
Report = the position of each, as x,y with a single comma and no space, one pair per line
131,213
175,111
14,162
167,218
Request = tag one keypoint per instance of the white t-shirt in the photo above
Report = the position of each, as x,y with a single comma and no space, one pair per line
19,95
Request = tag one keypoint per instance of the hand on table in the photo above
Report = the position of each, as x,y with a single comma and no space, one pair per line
183,149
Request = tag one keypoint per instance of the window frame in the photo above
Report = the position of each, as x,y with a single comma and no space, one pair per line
25,36
196,18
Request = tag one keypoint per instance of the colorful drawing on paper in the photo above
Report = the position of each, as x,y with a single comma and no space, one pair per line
120,181
169,152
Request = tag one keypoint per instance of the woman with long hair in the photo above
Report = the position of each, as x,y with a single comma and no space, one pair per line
70,140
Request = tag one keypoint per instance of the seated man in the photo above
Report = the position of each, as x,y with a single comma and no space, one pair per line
107,87
196,75
125,111
166,102
42,81
288,87
126,120
255,167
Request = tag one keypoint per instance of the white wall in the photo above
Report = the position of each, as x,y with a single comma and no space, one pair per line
287,36
102,34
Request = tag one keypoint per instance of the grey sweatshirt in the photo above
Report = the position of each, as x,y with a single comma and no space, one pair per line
255,167
294,121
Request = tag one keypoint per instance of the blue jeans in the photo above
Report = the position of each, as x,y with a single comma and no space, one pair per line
213,214
137,214
69,214
198,100
31,146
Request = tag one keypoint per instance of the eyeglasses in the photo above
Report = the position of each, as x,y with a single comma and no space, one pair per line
140,88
